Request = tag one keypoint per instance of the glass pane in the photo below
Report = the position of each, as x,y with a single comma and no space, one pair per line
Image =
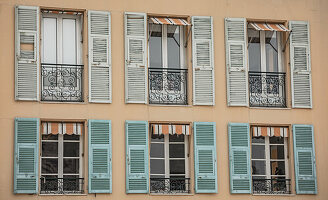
177,151
71,183
49,183
157,138
69,41
71,137
71,166
49,166
71,149
254,50
271,51
173,46
258,167
277,167
49,137
49,40
258,152
157,166
176,138
155,46
276,140
157,150
277,152
177,166
258,140
49,149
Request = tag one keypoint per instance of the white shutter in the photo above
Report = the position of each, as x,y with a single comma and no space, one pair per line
27,53
237,81
135,25
100,66
203,60
300,63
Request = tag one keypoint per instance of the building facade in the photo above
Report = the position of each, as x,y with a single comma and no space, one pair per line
161,100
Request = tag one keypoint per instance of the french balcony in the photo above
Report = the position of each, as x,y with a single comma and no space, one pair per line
267,89
61,82
271,186
168,86
173,185
49,185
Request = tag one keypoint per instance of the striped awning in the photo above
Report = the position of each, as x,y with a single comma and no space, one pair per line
169,21
62,12
270,131
269,27
179,129
62,128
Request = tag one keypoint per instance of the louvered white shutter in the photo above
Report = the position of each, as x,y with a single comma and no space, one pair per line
300,63
203,61
135,57
27,53
100,66
236,62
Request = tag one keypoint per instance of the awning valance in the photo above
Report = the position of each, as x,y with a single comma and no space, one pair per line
69,128
270,131
269,27
169,21
179,129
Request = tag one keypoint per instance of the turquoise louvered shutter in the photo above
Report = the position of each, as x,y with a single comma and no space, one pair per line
137,175
100,156
239,158
205,157
304,155
26,155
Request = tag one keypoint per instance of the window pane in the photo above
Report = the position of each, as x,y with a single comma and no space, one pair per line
254,50
49,40
173,46
157,150
177,166
277,167
258,152
157,166
155,46
71,137
49,137
49,166
176,138
258,167
71,166
157,138
69,41
271,51
49,149
258,140
177,151
71,149
277,152
276,140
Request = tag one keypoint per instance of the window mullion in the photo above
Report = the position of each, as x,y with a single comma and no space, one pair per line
60,155
267,156
167,156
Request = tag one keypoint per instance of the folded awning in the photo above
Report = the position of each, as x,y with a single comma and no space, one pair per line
61,128
158,129
270,131
269,27
169,21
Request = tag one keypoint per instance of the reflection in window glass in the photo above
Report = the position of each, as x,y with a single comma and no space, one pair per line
177,166
157,166
277,168
157,150
254,50
258,151
277,152
271,51
155,46
258,167
173,46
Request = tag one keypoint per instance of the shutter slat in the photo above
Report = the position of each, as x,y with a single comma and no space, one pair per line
205,157
100,156
239,158
26,155
137,176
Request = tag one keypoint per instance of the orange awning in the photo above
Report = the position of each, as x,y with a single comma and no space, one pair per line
169,21
270,131
68,128
179,129
269,27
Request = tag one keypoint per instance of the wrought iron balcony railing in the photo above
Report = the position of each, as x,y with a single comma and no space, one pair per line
61,82
61,185
267,89
170,185
271,186
168,86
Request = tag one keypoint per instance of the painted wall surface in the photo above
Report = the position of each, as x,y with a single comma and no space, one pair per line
314,11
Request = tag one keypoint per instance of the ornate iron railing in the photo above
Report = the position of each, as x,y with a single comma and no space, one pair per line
267,89
170,185
168,86
61,185
271,186
61,82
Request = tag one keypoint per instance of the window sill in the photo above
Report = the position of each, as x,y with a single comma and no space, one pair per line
63,194
62,102
168,194
270,108
168,105
290,195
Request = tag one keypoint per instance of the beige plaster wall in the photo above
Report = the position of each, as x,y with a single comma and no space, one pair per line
315,11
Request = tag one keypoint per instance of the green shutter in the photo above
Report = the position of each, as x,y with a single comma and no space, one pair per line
239,158
305,167
205,157
100,156
26,157
137,176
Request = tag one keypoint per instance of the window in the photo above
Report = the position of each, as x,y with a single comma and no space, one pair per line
270,160
169,160
61,56
61,158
